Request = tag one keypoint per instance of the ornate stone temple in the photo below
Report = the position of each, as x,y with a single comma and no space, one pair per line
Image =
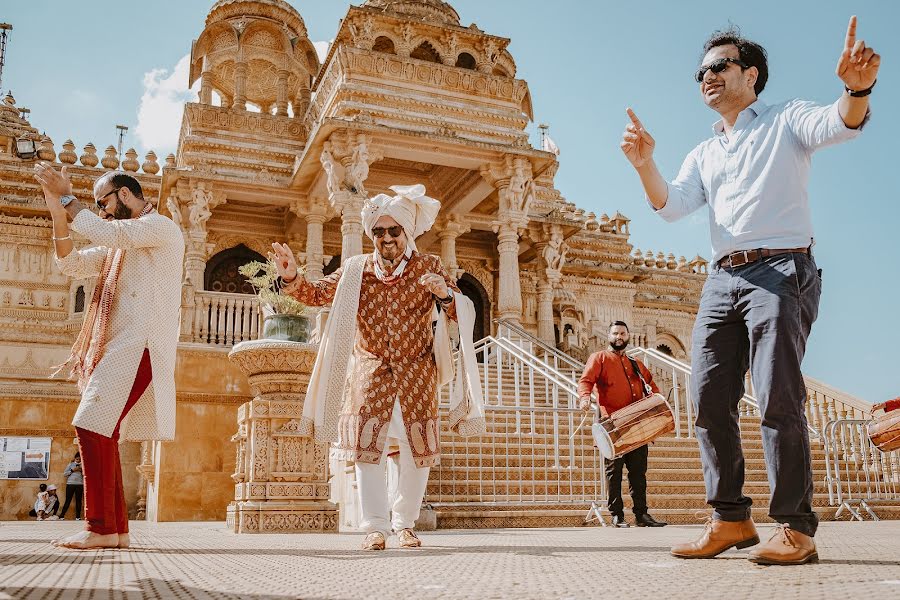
283,146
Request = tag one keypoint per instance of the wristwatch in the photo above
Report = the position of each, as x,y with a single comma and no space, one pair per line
66,200
448,299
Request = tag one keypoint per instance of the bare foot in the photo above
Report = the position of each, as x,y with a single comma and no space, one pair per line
88,540
124,540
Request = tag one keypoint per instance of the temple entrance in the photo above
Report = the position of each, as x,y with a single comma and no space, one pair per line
221,274
474,291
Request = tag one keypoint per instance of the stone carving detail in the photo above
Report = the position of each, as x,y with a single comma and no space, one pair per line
287,488
200,210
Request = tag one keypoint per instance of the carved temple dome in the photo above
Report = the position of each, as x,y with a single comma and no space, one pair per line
433,11
257,52
276,10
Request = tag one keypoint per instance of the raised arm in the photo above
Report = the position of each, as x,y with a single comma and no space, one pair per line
858,69
316,293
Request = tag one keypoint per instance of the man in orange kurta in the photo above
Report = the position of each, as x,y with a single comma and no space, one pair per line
393,381
612,373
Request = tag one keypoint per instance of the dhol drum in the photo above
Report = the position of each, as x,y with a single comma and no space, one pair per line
633,426
884,430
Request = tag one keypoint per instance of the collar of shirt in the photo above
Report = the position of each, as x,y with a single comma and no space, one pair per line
744,118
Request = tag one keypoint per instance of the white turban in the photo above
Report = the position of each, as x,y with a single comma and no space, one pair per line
411,208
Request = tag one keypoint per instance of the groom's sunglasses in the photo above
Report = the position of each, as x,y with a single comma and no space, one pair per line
395,231
717,66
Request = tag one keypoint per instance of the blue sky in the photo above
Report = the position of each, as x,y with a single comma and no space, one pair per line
84,67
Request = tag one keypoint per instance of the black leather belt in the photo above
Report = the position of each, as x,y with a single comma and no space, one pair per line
746,257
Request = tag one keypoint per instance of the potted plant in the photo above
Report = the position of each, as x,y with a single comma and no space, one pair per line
284,317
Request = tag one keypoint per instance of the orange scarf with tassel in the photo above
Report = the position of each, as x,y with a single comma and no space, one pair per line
88,349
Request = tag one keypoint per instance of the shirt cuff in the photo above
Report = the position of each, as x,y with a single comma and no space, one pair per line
668,212
839,128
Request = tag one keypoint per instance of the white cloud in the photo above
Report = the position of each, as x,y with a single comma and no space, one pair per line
159,114
322,49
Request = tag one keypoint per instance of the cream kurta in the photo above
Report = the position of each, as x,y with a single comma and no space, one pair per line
394,360
145,314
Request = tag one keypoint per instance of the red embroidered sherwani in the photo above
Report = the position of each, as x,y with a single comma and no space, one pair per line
393,359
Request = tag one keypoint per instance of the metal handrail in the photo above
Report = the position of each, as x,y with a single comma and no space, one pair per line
529,404
556,352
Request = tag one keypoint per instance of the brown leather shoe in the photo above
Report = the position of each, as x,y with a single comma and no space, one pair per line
786,547
718,537
374,541
409,539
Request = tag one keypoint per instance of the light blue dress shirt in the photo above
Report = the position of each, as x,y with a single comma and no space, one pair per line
754,182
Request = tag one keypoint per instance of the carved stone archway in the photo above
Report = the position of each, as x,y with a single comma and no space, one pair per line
473,290
221,273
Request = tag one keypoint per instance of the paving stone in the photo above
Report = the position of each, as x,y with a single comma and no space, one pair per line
203,560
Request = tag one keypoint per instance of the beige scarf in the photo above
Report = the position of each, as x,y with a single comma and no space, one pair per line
89,349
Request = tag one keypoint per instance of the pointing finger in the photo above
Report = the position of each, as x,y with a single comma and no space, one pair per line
633,117
851,33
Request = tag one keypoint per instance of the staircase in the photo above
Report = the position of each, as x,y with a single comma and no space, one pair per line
532,469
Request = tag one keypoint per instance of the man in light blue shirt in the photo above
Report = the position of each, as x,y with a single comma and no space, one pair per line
762,295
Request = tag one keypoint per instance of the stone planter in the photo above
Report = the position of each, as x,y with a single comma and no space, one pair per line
281,473
289,328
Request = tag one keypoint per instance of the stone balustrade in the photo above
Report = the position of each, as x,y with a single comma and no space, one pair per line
661,261
221,319
89,158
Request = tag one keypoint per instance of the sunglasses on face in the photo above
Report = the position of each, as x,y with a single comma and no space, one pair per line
100,201
395,231
717,66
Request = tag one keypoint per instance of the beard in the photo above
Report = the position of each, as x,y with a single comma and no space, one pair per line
119,213
389,252
618,345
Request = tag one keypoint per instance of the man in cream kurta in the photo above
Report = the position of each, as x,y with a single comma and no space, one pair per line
124,358
392,376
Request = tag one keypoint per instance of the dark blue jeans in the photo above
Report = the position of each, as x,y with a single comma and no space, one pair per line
760,316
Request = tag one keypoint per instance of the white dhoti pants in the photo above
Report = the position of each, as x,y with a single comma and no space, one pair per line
371,482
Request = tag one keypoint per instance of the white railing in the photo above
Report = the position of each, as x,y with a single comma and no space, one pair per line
537,448
225,319
857,471
552,356
676,375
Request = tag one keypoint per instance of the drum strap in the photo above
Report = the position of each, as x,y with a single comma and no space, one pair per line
648,391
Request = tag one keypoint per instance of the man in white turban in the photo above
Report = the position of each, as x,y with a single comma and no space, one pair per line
376,376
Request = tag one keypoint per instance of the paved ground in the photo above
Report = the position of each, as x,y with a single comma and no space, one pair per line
203,560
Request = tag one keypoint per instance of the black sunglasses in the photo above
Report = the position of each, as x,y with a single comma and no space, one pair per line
717,66
395,231
100,204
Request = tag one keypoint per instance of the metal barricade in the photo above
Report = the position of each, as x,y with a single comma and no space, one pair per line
858,472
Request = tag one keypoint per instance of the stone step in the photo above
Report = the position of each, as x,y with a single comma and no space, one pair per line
675,499
574,516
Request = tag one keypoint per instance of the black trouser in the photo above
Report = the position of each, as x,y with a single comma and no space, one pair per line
636,461
760,316
73,491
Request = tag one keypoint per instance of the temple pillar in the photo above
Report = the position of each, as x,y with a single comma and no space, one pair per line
281,93
509,301
449,230
206,87
240,84
281,475
315,215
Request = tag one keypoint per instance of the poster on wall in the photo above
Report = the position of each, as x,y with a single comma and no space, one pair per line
24,457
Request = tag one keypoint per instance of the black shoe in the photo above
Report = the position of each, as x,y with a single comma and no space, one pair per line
646,520
619,521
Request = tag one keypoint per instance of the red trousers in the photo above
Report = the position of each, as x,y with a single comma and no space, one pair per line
105,511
